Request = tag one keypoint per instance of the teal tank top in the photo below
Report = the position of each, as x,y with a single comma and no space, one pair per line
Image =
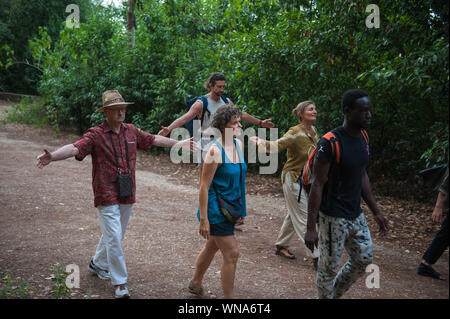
227,182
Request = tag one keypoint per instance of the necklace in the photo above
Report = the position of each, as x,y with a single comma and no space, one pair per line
308,130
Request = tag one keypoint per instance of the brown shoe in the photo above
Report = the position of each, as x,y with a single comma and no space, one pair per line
284,252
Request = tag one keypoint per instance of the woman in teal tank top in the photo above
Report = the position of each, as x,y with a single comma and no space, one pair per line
223,175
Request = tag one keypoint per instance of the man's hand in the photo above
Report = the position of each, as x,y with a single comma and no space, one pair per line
436,217
188,144
311,239
267,123
383,225
164,131
44,159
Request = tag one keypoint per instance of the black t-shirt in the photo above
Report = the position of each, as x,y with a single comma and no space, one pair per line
342,192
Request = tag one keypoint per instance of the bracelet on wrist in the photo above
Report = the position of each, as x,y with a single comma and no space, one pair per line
260,123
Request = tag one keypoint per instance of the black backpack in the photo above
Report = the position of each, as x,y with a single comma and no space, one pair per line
190,125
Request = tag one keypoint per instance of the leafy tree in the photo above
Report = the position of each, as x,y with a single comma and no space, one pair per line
275,54
19,22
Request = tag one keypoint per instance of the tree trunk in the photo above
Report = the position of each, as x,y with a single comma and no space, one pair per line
131,23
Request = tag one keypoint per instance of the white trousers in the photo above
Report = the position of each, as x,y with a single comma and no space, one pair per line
109,255
296,218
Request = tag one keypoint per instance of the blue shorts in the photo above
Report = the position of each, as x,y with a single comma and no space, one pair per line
221,229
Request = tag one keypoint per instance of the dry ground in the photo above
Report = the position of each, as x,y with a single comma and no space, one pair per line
47,217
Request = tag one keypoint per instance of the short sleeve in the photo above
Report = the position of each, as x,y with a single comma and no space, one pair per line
324,151
85,144
144,139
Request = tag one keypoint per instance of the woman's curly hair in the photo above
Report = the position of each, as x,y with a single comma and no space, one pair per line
223,115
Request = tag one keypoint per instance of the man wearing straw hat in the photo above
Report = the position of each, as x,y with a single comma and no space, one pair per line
113,146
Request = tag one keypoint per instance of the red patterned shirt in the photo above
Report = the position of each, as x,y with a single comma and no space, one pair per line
97,142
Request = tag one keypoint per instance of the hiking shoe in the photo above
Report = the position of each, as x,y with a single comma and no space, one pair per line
102,274
122,292
428,271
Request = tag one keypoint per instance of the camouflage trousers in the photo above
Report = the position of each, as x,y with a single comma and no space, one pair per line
335,234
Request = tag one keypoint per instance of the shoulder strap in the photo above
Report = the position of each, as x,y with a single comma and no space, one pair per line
224,98
365,135
240,164
335,149
222,150
115,152
204,100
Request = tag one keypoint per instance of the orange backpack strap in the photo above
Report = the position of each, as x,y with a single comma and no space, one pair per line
365,135
334,145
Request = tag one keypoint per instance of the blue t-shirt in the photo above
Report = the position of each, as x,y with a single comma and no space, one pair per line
341,196
228,182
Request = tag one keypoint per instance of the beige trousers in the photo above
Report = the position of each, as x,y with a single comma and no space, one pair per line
296,218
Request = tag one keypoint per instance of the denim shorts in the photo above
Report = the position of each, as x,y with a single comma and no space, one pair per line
221,229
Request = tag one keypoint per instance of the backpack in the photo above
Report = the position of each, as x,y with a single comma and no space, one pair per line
305,178
190,125
434,176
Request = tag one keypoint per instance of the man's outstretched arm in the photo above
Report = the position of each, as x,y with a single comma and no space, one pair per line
62,153
193,112
267,123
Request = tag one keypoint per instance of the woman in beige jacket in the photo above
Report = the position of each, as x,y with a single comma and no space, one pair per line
299,141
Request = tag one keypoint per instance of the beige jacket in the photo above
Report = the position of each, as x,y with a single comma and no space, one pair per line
299,145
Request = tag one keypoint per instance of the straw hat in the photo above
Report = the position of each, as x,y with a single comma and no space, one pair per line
112,99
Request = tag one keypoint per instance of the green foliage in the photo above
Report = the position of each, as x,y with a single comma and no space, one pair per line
13,288
19,22
275,54
28,111
59,288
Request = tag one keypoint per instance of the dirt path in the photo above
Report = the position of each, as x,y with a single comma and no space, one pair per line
47,217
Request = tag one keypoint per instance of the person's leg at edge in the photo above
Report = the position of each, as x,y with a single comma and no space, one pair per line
435,251
438,245
229,247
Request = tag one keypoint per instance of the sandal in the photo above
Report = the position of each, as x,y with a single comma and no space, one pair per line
284,252
200,292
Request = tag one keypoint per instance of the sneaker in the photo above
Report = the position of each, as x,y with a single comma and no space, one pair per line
428,271
122,292
102,274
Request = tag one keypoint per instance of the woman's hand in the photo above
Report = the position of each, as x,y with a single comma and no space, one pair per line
257,141
204,228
